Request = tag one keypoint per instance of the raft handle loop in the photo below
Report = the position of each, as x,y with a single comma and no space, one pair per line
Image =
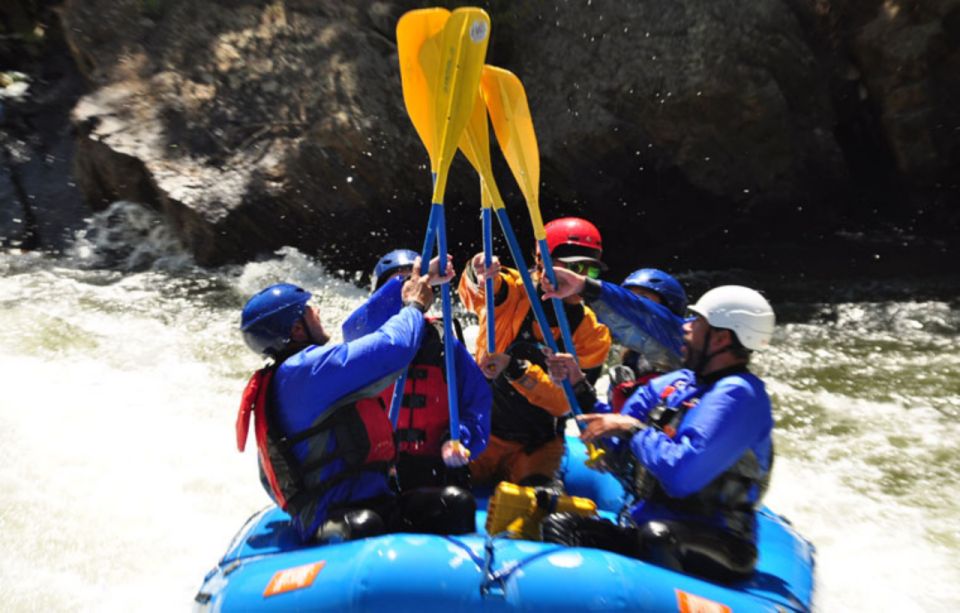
500,577
476,559
491,583
495,581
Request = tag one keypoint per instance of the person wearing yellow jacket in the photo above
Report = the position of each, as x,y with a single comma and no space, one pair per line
526,443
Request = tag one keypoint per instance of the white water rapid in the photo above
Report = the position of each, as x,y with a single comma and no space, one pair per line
122,369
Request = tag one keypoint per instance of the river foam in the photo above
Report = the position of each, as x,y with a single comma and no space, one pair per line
122,483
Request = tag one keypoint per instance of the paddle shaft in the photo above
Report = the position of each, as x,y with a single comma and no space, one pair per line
436,232
561,313
487,262
448,338
535,304
450,96
425,252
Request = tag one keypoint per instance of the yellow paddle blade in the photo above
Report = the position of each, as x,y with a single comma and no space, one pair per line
475,141
506,102
463,47
413,30
489,194
475,144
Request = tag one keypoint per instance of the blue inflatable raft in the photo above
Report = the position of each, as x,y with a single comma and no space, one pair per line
267,569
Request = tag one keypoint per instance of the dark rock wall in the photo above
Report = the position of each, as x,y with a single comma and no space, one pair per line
40,203
696,133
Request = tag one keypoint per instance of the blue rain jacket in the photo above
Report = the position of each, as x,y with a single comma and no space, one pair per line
733,415
307,383
473,390
642,325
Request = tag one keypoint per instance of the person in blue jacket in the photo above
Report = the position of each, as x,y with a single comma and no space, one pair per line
701,442
427,455
324,441
644,314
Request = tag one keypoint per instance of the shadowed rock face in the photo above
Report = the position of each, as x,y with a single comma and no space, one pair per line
678,126
39,201
255,125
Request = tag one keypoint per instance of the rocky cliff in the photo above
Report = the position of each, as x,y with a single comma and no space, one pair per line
696,132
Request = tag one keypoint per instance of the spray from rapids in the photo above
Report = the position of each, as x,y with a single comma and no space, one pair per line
123,369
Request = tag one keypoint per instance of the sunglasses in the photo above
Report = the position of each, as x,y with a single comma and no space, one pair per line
583,268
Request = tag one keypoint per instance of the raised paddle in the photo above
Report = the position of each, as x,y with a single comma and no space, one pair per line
415,30
509,111
449,61
475,143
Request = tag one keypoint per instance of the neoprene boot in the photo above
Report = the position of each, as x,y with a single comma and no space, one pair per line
434,510
350,526
562,528
461,510
586,531
705,551
659,545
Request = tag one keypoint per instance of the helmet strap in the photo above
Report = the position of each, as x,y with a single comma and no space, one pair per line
706,357
311,339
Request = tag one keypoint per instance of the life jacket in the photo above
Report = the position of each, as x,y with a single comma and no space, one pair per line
361,433
621,392
513,417
729,494
424,421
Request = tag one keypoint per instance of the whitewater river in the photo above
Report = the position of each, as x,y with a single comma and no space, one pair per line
122,370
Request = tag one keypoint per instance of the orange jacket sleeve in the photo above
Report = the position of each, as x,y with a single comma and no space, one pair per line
508,314
592,342
591,338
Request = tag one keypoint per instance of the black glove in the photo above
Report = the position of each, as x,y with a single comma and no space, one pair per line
524,350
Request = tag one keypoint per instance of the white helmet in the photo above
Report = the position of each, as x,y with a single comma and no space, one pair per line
740,309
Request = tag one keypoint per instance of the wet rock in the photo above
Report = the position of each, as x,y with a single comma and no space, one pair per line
40,205
682,127
909,54
233,144
685,124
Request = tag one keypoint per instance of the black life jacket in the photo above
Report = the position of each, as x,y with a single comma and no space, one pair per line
729,493
362,437
424,421
513,417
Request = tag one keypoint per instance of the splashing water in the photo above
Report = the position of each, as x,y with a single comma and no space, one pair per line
123,369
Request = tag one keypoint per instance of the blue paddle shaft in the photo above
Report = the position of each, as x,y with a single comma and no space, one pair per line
557,303
428,240
448,355
487,262
535,304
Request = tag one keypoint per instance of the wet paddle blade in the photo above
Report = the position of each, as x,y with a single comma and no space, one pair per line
413,30
463,48
509,111
475,144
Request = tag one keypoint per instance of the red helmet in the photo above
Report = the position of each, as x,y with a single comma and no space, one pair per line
572,239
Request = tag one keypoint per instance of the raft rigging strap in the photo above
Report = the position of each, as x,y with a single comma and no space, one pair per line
495,581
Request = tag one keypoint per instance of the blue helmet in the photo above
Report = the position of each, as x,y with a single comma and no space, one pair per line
269,316
389,263
664,285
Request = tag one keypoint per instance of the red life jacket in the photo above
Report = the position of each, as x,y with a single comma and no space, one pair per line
424,419
621,392
360,428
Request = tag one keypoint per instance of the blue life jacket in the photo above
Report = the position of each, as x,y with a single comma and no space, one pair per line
708,453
